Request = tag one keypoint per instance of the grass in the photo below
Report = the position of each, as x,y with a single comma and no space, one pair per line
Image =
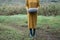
7,32
13,19
50,20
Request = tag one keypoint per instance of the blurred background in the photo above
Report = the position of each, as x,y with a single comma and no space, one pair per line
11,7
14,23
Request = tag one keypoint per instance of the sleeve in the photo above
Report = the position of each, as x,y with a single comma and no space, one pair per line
26,3
38,3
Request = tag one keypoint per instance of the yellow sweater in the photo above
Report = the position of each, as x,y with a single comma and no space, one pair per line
32,3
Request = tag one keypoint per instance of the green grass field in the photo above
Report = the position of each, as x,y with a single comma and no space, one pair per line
10,26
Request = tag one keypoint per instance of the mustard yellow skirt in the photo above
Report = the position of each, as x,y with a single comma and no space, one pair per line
32,20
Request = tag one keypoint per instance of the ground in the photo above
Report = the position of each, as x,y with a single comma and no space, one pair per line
15,28
41,34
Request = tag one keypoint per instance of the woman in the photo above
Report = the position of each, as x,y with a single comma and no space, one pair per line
32,8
